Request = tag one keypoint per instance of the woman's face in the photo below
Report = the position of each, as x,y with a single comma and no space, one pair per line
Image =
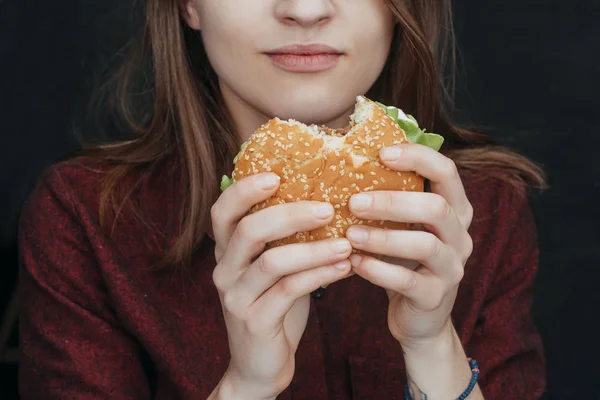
301,59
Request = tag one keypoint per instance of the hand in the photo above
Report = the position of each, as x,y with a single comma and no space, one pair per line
265,295
422,269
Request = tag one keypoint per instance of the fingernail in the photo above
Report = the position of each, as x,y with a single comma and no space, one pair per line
268,181
323,210
341,265
390,153
357,235
360,202
341,245
355,260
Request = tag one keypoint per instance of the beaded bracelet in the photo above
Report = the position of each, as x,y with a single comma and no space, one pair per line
467,392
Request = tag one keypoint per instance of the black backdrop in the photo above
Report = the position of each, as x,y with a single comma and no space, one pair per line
531,69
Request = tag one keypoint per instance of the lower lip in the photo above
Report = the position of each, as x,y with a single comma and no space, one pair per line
305,62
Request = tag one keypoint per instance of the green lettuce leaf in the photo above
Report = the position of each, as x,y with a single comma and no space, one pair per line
242,147
411,128
226,182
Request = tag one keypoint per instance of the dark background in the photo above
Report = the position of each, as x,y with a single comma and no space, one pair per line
531,69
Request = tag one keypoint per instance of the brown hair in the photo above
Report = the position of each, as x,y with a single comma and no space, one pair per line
183,117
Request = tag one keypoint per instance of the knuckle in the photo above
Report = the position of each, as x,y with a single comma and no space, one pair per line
287,287
215,212
231,303
266,263
450,170
380,238
459,274
468,214
434,246
244,229
410,283
469,246
384,201
441,208
390,202
437,298
217,279
456,272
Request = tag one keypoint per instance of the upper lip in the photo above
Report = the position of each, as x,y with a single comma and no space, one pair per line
305,49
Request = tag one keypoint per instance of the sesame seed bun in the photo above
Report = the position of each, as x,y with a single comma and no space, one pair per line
322,164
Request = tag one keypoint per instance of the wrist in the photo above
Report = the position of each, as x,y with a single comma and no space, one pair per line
444,342
437,366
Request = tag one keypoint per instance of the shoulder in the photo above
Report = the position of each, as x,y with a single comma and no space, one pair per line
74,188
61,183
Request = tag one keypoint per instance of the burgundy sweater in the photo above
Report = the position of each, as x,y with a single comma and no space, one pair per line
95,323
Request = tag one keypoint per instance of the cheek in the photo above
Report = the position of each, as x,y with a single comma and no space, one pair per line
227,47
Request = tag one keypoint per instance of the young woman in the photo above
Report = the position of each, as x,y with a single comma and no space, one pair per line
141,280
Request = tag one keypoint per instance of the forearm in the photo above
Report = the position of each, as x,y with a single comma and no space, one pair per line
438,369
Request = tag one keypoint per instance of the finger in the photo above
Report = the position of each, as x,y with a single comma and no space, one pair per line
425,291
254,231
281,261
236,200
439,169
429,209
270,309
423,247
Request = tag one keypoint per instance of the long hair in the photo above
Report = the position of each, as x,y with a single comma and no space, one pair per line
168,104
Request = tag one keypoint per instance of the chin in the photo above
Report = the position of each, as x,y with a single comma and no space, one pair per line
321,107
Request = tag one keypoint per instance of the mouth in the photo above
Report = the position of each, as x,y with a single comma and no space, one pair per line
305,58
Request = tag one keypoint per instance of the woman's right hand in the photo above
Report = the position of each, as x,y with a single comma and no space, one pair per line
265,295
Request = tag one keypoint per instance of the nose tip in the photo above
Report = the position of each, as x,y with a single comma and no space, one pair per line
305,12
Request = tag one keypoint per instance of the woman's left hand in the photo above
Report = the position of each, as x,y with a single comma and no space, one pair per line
421,269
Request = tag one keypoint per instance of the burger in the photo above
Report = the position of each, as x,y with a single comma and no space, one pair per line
317,163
